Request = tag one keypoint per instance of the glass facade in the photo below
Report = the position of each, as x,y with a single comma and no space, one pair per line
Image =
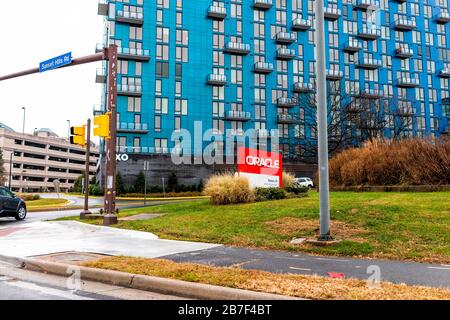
236,65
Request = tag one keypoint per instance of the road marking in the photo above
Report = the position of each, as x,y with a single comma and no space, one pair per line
47,291
299,269
8,231
439,268
4,278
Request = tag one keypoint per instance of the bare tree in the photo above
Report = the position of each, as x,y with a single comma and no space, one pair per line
338,135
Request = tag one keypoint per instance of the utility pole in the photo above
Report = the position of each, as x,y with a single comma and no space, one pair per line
110,189
322,120
86,211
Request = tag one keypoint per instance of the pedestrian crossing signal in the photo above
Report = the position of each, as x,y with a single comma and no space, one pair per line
78,136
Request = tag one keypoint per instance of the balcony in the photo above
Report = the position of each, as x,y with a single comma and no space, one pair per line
334,74
262,4
133,54
216,12
370,94
134,18
285,38
286,118
285,54
443,16
236,115
263,67
285,102
103,8
445,73
100,76
369,63
263,134
405,24
127,127
403,51
366,4
302,87
217,79
407,82
405,109
301,24
129,90
332,13
369,33
237,48
235,132
352,45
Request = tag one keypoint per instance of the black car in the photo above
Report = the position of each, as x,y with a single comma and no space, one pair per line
12,206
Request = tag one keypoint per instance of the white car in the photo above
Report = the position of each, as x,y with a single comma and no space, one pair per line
304,182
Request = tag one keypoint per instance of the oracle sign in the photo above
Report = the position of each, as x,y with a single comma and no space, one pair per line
263,169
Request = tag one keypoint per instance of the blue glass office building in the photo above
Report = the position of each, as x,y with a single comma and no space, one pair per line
245,64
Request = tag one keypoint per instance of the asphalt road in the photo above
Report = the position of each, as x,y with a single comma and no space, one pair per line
431,275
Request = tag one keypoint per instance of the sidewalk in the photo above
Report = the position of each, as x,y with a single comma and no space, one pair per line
41,238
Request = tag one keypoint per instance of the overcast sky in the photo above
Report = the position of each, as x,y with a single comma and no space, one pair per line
34,31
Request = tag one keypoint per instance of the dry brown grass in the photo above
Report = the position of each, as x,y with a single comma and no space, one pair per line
227,188
302,227
405,162
288,180
310,287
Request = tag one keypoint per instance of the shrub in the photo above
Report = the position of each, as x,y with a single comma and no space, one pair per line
228,189
381,163
297,189
267,194
288,180
161,195
29,197
95,190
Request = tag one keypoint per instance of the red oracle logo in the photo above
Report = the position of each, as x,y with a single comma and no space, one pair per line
262,167
262,162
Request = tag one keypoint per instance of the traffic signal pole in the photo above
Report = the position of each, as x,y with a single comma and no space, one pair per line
110,173
110,54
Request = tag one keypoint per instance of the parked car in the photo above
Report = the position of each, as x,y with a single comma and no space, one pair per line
12,206
305,182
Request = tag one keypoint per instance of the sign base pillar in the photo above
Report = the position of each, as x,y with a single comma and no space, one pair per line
110,219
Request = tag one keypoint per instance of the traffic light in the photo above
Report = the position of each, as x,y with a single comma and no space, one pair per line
78,135
101,126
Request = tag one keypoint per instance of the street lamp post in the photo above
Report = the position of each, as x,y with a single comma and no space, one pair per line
322,111
10,169
23,127
68,130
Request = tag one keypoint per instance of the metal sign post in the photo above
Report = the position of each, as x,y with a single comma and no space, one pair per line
86,211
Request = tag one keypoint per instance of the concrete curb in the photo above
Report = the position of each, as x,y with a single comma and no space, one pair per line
179,288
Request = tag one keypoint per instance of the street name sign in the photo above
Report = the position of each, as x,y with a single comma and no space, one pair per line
263,169
55,63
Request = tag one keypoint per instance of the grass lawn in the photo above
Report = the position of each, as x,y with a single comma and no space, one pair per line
400,226
46,203
303,286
